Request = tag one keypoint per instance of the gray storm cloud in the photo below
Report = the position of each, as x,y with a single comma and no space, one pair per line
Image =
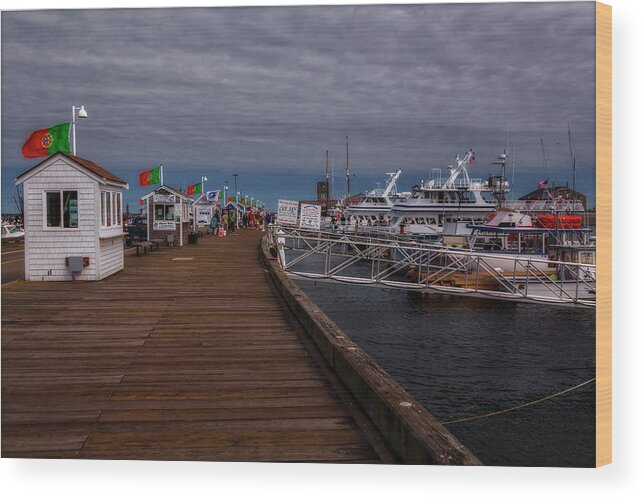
273,88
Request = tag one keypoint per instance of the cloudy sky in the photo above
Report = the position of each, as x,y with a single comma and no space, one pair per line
263,92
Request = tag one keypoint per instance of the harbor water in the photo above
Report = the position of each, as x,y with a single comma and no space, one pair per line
463,357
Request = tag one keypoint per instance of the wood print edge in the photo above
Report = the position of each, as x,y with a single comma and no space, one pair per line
604,234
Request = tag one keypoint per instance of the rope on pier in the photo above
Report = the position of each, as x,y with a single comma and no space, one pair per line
533,402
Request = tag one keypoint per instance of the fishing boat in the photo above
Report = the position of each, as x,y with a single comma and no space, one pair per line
460,198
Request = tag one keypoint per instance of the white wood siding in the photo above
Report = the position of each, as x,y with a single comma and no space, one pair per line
111,256
47,248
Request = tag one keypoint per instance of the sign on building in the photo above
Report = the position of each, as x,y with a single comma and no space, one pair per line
287,212
164,198
310,216
203,216
164,225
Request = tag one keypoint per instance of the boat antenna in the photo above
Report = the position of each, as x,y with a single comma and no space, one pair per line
573,160
513,166
545,158
502,161
332,179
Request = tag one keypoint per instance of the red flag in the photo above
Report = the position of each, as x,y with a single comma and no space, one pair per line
149,177
47,141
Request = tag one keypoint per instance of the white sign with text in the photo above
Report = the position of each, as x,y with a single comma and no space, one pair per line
310,217
287,212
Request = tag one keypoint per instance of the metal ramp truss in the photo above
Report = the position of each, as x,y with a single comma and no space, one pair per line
404,264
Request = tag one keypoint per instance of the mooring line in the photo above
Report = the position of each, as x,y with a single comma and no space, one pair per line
533,402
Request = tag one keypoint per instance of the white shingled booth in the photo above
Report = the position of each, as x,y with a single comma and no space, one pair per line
73,220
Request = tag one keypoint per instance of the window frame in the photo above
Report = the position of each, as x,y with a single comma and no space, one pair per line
110,219
45,211
165,212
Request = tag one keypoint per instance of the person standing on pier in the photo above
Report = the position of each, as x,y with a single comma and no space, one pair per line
232,220
224,221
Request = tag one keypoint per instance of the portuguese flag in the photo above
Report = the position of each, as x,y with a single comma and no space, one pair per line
47,141
149,177
195,189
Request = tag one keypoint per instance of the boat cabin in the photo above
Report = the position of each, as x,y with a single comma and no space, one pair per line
73,215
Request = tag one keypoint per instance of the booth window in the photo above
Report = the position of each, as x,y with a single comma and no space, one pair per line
164,212
62,209
110,208
103,213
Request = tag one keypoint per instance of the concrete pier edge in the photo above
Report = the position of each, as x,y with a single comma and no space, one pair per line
411,431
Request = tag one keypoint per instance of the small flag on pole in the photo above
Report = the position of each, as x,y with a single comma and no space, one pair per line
213,196
142,202
472,159
543,184
194,189
150,177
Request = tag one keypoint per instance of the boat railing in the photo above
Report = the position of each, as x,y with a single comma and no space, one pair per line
460,183
390,260
541,205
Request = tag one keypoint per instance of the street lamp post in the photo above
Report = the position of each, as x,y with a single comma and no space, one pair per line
82,114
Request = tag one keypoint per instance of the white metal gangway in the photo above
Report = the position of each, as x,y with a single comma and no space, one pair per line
389,260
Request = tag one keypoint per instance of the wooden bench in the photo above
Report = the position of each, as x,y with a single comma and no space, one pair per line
156,242
145,245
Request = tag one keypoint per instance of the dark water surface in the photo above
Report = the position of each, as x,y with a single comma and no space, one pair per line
463,357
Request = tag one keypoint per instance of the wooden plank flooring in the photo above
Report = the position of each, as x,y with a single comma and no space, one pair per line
186,354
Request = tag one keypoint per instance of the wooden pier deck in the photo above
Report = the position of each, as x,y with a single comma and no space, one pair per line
187,354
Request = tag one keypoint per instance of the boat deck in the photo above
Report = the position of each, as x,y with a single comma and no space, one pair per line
187,354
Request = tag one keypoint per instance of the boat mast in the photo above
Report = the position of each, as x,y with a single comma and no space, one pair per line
348,175
572,156
392,182
469,158
502,161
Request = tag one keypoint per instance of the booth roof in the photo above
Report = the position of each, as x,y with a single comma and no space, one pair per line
85,163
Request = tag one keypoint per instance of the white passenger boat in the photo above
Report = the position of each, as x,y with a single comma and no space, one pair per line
374,208
434,203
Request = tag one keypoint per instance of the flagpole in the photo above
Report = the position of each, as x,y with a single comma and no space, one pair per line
162,175
73,128
82,113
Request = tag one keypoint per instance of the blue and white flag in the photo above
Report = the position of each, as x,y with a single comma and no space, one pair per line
213,196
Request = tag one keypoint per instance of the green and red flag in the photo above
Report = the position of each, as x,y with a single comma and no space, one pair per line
47,141
142,202
149,177
195,189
